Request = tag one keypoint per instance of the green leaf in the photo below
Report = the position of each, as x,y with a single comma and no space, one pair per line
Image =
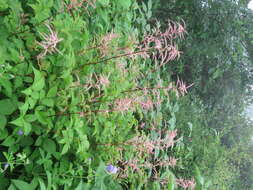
49,145
3,5
49,179
26,141
65,149
3,134
22,185
27,91
125,4
6,107
31,102
23,109
30,118
52,92
100,177
41,116
171,182
42,185
12,187
35,95
7,85
27,128
199,178
104,2
39,81
217,73
42,9
81,186
3,122
144,7
18,122
9,141
48,102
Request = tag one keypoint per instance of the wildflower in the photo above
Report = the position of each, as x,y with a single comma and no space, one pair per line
123,104
75,4
169,162
133,164
184,183
103,80
143,144
49,42
181,30
146,105
172,161
111,169
182,86
20,132
105,42
161,45
169,139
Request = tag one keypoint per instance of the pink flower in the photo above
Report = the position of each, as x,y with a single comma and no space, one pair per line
146,105
182,87
123,104
49,42
105,42
168,141
184,183
103,80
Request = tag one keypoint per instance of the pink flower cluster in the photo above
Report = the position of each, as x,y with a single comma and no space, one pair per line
75,4
186,184
49,42
163,49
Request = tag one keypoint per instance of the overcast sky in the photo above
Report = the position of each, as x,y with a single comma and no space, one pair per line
250,5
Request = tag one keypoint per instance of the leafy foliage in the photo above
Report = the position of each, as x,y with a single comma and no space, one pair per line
89,98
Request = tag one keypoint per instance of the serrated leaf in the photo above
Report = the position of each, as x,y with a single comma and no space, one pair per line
18,122
125,4
52,92
26,141
32,102
42,9
48,102
39,81
49,146
22,185
41,116
6,107
27,128
7,85
9,141
23,109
